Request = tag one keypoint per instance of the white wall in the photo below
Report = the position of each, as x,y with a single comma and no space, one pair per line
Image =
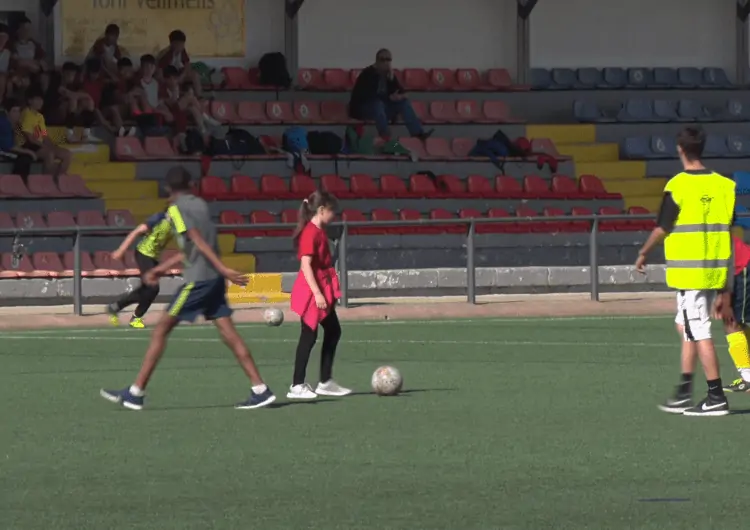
264,32
646,33
420,33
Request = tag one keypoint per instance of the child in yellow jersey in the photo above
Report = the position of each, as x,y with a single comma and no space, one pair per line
157,230
737,330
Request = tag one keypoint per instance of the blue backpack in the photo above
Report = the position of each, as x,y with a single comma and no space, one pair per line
295,140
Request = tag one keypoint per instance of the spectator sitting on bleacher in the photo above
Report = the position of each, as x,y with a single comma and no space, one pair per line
176,55
32,135
378,96
4,59
27,55
108,51
124,94
21,158
103,92
67,102
145,95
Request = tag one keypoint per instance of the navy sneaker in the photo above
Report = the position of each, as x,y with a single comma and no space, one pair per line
123,397
256,401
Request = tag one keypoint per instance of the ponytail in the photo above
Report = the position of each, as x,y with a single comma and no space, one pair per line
309,208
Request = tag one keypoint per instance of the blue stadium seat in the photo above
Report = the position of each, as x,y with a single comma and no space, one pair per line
742,179
665,110
689,110
640,77
744,222
739,146
589,112
541,79
589,78
614,78
716,146
689,77
664,78
563,78
636,147
736,111
637,110
716,78
663,147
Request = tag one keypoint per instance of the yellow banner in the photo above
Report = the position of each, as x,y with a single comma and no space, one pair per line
214,28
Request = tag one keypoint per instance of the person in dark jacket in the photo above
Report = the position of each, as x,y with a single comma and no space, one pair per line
10,149
378,96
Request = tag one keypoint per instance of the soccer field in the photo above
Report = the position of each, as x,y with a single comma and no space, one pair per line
515,423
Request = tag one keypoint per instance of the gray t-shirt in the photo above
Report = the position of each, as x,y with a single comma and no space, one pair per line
188,212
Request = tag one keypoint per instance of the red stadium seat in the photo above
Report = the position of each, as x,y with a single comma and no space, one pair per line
422,185
438,148
363,186
290,216
231,217
580,211
565,187
87,265
43,186
243,187
252,112
129,148
393,186
261,217
309,79
353,75
279,111
74,186
158,147
536,187
28,220
46,264
480,186
224,111
335,79
61,220
442,213
6,221
120,218
415,145
253,75
382,214
497,112
104,261
336,185
462,147
274,187
470,213
307,111
558,226
408,214
499,79
470,111
334,112
422,110
544,145
354,216
452,186
91,218
641,224
445,112
591,186
508,188
610,225
236,78
213,189
442,79
302,186
499,228
533,226
14,266
468,79
12,186
416,79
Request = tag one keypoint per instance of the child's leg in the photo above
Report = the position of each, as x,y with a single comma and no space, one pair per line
154,352
307,338
147,295
235,343
331,336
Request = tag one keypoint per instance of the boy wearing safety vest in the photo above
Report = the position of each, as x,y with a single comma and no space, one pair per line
694,221
736,330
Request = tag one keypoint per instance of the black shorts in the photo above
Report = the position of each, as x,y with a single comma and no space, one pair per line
207,299
741,298
145,263
31,146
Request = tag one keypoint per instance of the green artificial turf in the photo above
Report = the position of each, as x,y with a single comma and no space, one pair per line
529,424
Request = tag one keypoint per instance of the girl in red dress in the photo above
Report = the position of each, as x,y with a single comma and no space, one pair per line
314,297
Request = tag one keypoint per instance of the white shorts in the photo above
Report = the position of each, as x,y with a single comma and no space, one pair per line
694,313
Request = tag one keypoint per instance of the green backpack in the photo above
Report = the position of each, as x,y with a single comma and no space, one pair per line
359,145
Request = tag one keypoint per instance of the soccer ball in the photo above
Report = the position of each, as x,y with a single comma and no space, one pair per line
387,381
273,316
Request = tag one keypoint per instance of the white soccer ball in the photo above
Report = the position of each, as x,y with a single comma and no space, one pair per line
273,316
387,381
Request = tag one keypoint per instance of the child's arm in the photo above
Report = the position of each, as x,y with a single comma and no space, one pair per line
204,248
129,240
307,272
151,277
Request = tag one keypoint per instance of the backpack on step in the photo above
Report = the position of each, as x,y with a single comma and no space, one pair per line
294,140
358,143
324,143
273,70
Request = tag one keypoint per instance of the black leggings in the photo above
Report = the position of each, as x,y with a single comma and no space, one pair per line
307,338
145,294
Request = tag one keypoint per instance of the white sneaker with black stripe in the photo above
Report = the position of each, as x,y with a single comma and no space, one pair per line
710,406
301,392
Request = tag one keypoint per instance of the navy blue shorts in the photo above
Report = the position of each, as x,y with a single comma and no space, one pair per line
741,298
207,299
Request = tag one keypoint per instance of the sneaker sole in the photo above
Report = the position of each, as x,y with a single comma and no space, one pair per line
131,406
112,398
297,397
711,413
259,405
673,410
332,394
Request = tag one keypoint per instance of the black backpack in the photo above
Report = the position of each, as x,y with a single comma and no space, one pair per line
237,142
324,143
273,70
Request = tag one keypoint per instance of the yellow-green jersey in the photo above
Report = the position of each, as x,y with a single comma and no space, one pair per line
160,232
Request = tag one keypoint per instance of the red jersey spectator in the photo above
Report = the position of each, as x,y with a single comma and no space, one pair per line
176,55
108,51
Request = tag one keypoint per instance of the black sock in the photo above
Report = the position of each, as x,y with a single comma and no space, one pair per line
715,389
686,384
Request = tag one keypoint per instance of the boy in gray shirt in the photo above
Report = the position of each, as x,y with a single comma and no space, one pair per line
204,293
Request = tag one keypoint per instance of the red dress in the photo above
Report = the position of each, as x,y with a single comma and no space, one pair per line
314,242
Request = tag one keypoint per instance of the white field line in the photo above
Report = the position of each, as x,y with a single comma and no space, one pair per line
351,323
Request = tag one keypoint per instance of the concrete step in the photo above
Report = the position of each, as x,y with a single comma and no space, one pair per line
119,190
563,134
590,152
612,170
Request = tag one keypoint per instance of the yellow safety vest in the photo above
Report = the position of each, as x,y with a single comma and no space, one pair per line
699,248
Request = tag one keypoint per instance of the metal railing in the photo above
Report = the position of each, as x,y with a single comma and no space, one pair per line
78,233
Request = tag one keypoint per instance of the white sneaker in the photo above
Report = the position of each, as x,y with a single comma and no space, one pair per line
332,388
70,136
89,137
303,391
132,131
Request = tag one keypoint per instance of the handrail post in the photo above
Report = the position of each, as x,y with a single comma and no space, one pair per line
471,273
594,260
343,271
77,282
